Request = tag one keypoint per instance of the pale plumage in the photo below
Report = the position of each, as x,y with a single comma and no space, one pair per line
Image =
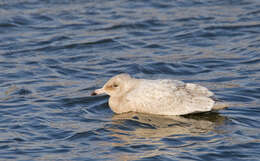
162,96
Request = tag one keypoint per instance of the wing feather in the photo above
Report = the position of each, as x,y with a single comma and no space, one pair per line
169,97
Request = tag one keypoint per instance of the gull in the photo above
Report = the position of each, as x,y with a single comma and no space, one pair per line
161,96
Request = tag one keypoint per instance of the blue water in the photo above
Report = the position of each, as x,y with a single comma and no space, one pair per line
54,53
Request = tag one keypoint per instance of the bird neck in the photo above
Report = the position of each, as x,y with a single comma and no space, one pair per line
116,105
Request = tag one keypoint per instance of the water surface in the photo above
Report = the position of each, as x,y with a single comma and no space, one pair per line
53,54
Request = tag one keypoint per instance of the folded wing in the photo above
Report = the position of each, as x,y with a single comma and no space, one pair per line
169,97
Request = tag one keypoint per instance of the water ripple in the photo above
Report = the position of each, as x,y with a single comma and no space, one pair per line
54,54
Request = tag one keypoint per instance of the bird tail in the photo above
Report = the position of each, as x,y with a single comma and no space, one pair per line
220,106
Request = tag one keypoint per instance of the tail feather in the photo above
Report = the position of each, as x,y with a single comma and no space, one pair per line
220,106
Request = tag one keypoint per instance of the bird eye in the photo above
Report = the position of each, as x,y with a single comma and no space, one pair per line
115,85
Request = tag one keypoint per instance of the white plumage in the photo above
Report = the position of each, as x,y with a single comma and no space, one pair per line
162,96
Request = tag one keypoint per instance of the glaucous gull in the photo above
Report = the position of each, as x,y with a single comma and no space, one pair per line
162,96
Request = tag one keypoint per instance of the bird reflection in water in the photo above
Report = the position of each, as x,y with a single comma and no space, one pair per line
143,136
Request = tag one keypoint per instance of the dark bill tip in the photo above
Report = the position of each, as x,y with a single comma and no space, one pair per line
93,93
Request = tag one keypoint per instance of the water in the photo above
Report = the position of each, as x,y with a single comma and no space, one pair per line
53,54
